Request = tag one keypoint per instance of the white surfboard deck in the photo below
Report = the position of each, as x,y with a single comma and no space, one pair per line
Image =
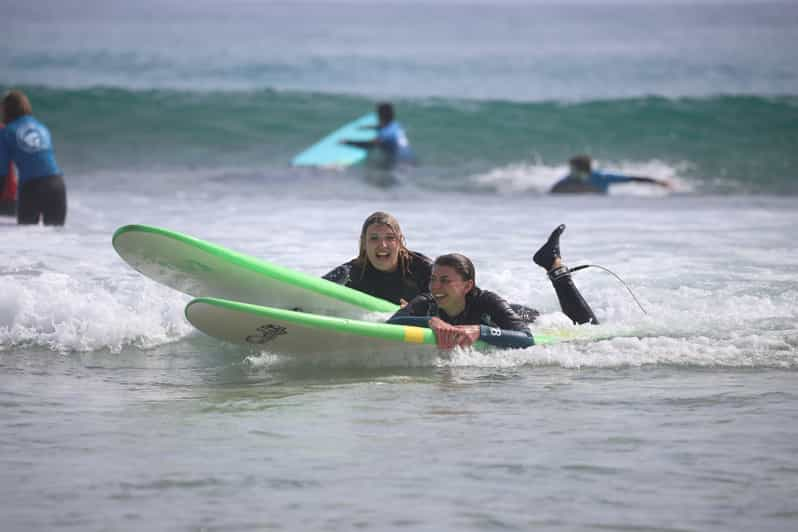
299,334
200,268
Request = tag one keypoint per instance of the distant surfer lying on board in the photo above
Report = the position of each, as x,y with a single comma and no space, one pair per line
582,179
385,268
460,313
391,138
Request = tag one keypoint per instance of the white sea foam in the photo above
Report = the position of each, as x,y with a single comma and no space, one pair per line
716,275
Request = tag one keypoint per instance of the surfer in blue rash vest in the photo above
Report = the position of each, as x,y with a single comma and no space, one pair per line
385,268
582,179
460,313
26,142
391,138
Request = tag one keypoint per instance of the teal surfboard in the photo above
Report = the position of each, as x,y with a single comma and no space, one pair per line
201,268
300,334
330,153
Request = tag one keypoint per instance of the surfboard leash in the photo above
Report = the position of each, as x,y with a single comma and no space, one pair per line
583,266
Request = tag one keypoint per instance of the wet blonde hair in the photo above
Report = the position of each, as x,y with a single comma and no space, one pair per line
383,218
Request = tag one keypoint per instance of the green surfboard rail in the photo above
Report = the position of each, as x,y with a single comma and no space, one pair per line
278,273
384,331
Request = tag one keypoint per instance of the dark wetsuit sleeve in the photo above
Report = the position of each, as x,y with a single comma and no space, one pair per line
510,333
510,329
505,338
419,306
340,275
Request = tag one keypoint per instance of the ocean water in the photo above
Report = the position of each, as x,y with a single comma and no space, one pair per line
116,415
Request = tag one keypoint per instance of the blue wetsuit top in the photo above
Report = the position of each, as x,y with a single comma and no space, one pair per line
393,140
27,143
596,182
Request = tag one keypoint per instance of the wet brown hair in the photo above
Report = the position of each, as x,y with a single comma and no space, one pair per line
461,264
385,112
15,104
383,218
583,163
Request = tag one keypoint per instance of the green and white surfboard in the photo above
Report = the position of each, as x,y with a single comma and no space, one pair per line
201,268
299,333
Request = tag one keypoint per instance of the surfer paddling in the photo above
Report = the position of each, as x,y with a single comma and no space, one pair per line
460,313
582,179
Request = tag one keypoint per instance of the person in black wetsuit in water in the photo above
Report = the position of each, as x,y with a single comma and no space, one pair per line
461,313
385,268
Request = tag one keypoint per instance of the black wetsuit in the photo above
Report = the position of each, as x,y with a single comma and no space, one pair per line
391,286
499,324
43,197
571,301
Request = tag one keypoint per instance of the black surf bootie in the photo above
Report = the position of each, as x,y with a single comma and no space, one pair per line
550,250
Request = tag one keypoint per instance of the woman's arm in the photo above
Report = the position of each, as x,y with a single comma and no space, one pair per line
651,180
364,144
449,336
416,312
340,275
505,338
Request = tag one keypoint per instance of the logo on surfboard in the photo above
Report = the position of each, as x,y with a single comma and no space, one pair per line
265,334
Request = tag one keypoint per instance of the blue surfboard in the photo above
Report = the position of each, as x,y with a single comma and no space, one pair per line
330,153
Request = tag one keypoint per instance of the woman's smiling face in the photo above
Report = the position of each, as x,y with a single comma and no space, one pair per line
382,247
449,289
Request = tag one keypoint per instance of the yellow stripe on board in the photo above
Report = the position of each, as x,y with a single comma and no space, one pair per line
414,335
